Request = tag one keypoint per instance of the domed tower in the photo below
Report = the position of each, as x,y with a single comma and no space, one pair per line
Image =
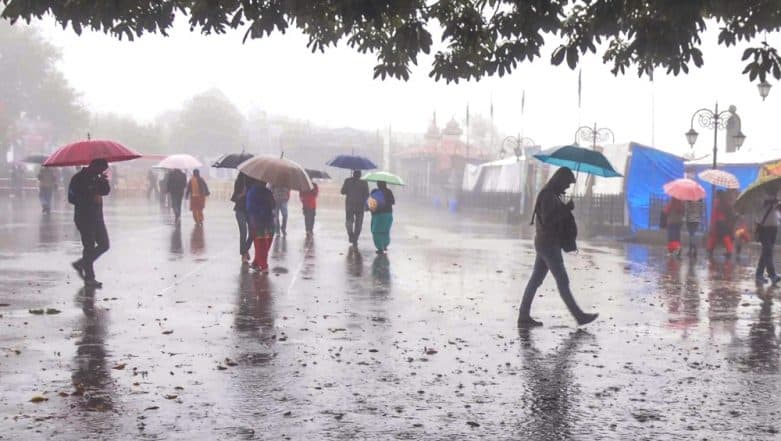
452,130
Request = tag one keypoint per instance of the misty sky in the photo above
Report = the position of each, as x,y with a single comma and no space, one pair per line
281,76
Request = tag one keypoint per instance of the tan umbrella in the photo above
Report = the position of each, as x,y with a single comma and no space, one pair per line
277,171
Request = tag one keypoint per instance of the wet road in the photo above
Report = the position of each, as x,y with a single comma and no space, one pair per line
182,343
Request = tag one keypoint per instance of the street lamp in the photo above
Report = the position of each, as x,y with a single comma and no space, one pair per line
519,144
764,89
713,119
595,135
518,147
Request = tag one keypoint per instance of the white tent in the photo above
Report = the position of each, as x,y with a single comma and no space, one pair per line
741,157
500,176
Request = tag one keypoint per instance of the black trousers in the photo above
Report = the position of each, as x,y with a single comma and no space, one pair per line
176,204
767,239
94,240
354,224
309,219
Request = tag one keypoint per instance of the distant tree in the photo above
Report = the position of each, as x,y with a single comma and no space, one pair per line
208,124
145,138
481,37
33,88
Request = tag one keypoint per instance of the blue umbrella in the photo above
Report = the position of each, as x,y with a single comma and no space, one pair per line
352,162
579,159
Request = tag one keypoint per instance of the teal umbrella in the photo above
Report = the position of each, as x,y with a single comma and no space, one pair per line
383,176
579,159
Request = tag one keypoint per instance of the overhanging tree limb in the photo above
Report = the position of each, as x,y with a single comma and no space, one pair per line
479,37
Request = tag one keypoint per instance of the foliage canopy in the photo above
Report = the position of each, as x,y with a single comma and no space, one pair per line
480,37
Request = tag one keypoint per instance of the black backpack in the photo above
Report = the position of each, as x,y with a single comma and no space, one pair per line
567,229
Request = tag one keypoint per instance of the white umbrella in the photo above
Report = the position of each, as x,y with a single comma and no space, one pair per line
180,161
277,171
719,178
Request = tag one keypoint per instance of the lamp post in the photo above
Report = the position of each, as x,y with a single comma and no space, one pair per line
594,134
518,143
713,119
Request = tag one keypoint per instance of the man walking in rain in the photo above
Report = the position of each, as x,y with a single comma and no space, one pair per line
356,192
176,181
85,192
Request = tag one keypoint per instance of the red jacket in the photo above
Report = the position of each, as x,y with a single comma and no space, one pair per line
309,198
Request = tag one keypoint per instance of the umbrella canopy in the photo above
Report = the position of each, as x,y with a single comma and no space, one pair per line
317,174
685,190
231,160
35,159
352,162
579,159
719,178
277,171
383,176
180,161
84,152
754,193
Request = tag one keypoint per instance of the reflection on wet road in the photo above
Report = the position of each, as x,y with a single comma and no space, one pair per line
340,343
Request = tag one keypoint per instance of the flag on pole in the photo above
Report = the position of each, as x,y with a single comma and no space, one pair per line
467,116
492,107
523,101
580,85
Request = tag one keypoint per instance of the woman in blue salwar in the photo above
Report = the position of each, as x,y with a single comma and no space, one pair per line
380,204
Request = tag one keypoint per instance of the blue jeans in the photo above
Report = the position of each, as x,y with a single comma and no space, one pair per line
281,209
245,240
45,196
548,258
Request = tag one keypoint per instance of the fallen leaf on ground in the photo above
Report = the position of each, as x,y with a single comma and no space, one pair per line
38,399
119,366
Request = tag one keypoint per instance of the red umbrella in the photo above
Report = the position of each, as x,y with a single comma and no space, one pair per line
83,152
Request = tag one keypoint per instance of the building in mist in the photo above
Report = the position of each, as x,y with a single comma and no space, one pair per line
433,167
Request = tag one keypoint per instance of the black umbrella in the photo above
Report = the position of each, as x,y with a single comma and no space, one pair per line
231,160
317,174
35,159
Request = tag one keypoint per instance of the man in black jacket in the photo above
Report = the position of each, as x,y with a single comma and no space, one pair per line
356,192
85,192
176,181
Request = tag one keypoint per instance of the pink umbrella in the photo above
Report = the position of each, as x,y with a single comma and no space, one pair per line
719,178
684,189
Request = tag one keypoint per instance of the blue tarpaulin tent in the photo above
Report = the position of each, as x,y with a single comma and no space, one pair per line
648,170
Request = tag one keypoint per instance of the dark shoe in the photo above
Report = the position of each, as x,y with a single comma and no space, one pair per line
92,283
774,280
380,251
79,269
528,322
587,318
761,281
